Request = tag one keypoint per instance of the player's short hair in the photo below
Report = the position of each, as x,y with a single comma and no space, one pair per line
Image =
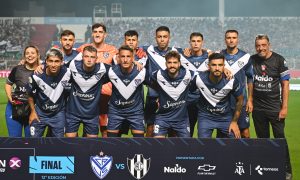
172,54
162,28
196,34
54,52
231,31
125,47
96,25
89,49
67,33
262,36
131,33
216,56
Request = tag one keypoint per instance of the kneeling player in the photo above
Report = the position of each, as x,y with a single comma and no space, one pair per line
126,102
47,96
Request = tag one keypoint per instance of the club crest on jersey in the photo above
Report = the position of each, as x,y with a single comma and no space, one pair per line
106,55
138,166
64,83
263,67
225,91
137,81
101,165
240,64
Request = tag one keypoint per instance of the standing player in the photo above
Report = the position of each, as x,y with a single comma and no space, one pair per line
127,100
48,96
87,79
197,60
271,92
240,66
105,54
214,103
67,41
156,61
172,85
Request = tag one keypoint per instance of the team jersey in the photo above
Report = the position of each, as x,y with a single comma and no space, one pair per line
105,54
172,94
128,94
195,63
240,66
268,74
214,102
74,55
85,89
18,79
50,92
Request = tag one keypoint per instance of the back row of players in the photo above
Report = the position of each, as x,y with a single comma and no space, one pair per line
183,86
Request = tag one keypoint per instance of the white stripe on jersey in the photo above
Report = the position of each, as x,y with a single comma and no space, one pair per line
78,57
174,92
52,94
239,64
190,66
161,61
126,91
213,99
86,84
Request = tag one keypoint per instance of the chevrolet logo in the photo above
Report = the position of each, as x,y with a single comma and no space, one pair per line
206,167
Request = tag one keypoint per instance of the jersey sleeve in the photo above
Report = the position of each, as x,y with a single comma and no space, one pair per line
283,70
249,71
11,78
237,90
31,87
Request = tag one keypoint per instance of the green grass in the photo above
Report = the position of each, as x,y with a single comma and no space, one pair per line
292,125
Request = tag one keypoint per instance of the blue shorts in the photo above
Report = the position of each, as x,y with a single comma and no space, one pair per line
151,106
90,126
181,128
115,120
56,123
244,120
207,126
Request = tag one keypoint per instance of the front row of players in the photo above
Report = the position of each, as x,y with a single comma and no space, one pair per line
63,98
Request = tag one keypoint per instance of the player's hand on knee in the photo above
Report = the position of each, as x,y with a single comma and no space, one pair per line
233,127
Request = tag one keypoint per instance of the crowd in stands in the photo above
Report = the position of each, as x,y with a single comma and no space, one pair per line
283,32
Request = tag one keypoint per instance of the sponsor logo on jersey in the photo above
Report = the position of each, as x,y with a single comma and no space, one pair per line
263,78
51,164
101,165
175,170
138,166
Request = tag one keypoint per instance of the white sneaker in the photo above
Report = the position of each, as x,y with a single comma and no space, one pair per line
288,176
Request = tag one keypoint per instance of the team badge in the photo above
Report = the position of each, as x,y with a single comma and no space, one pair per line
263,68
240,64
98,76
138,166
106,55
101,165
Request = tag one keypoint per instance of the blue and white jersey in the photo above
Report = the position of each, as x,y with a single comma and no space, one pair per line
195,63
50,92
75,55
240,66
86,89
214,102
156,58
127,90
172,94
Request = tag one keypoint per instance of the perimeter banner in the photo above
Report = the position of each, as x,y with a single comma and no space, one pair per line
141,158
